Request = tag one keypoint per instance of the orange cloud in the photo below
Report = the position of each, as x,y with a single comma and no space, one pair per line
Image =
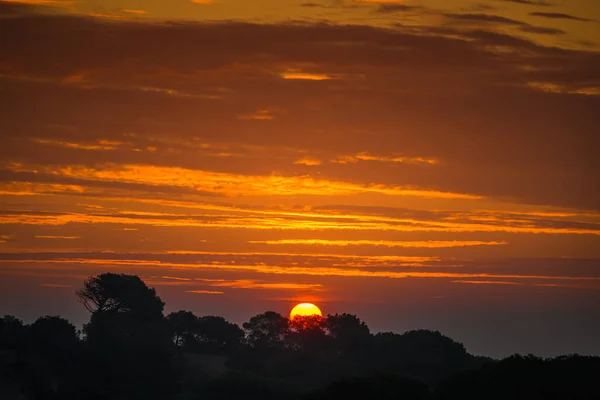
308,161
99,145
57,237
134,11
294,75
260,115
551,87
306,271
234,184
5,238
358,223
175,278
204,292
488,282
251,284
431,244
349,159
53,3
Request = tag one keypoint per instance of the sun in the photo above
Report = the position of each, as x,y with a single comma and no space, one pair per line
305,309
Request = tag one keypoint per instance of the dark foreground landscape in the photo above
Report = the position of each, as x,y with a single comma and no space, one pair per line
130,350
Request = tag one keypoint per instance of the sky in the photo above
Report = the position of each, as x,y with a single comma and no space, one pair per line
422,163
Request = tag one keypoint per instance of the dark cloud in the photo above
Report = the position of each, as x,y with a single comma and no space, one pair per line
484,18
392,8
497,19
559,16
531,2
542,30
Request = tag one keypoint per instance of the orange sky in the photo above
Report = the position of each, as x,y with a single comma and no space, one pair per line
423,164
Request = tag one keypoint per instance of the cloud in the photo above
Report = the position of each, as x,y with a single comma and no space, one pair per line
175,278
348,271
393,8
227,184
51,3
199,291
57,237
475,69
251,284
542,30
430,244
484,18
260,115
291,75
364,156
531,2
552,15
133,11
308,161
5,238
98,145
55,285
497,19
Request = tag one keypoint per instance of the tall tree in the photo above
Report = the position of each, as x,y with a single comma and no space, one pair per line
128,337
119,293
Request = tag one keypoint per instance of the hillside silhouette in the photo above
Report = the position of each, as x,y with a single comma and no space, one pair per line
130,350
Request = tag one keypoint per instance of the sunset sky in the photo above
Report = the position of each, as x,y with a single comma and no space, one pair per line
420,163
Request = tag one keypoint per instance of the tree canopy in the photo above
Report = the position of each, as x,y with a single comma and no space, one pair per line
130,350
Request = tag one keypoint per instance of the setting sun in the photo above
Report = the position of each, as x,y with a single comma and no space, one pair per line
305,309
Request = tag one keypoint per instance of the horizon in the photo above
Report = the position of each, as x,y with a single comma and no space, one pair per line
422,164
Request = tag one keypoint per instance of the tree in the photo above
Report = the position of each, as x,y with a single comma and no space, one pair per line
11,332
422,354
50,370
267,331
208,334
183,325
118,293
350,334
217,335
53,336
307,333
128,338
125,313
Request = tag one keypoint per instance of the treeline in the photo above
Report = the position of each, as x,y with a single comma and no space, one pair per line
130,350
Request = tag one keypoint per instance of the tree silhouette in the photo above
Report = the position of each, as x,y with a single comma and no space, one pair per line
217,335
207,334
421,354
267,331
350,334
52,356
117,293
527,377
12,332
307,333
128,337
53,336
183,325
128,353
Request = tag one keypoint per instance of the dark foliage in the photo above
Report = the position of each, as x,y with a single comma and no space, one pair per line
381,387
129,350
